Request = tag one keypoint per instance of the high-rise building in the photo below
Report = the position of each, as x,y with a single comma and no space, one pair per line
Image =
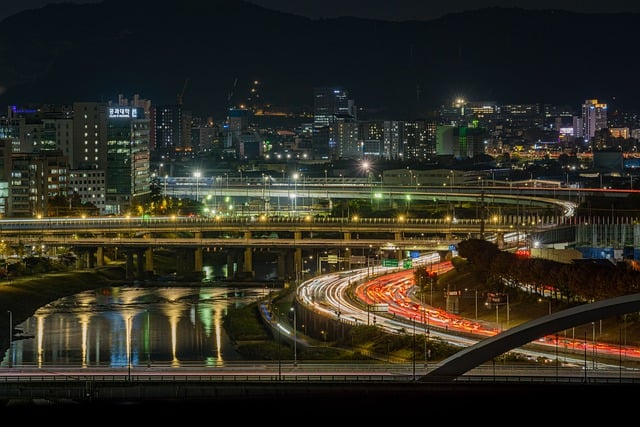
348,144
35,179
470,142
594,116
330,104
128,158
90,135
419,140
172,128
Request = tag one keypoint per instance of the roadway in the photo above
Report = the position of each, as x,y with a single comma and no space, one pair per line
393,289
381,234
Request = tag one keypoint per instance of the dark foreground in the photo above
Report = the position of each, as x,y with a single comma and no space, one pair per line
333,403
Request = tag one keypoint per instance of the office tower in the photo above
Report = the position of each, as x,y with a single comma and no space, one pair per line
419,140
331,104
172,130
90,135
128,158
594,116
35,179
470,142
347,143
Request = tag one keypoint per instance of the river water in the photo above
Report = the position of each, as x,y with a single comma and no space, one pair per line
131,326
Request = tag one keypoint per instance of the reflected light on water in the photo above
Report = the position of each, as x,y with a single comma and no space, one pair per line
84,323
121,327
173,321
40,335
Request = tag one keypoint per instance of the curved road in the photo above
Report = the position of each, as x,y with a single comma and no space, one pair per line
390,290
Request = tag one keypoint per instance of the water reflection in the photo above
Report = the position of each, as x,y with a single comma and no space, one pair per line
126,326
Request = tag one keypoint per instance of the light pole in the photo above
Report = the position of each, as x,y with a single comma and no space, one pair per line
295,193
476,303
148,342
10,333
295,338
549,303
414,348
197,175
593,344
431,288
279,355
508,326
426,338
128,326
165,185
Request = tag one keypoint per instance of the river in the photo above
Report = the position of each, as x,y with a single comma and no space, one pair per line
131,326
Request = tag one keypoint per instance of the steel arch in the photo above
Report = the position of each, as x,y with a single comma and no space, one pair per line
525,333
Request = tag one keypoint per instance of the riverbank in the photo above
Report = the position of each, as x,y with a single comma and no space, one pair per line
22,296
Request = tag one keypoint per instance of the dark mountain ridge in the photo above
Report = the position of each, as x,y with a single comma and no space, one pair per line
69,52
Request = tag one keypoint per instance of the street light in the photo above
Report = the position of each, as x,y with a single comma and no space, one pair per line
295,191
427,350
593,344
148,342
295,338
413,350
128,326
10,334
197,175
10,326
548,301
165,185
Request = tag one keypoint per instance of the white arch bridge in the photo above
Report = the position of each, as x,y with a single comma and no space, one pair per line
485,350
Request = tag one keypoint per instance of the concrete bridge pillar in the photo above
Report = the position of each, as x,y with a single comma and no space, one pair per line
231,263
290,271
140,262
100,256
91,258
197,255
186,266
86,257
238,255
79,259
197,260
282,265
148,259
247,265
129,265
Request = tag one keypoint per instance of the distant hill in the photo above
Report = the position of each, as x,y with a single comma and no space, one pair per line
93,52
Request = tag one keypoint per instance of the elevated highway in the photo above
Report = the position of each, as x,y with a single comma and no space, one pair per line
290,236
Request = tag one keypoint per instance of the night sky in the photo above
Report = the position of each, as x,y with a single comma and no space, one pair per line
400,10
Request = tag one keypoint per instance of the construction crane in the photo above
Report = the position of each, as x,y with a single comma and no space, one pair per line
184,88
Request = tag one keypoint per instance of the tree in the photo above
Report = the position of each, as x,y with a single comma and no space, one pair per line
479,252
